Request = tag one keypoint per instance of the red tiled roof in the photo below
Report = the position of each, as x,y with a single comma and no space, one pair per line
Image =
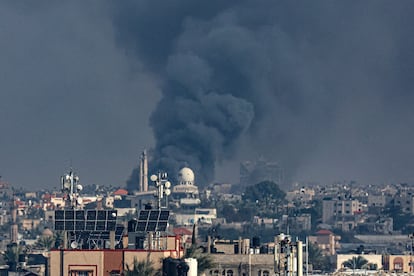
121,192
324,232
182,231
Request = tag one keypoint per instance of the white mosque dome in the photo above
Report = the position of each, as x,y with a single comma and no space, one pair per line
186,176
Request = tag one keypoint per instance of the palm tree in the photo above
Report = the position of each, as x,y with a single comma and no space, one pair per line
356,263
140,268
11,255
204,260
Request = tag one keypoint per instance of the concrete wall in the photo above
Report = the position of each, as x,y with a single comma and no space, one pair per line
257,264
371,258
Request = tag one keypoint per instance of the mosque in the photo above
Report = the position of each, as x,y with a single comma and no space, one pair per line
185,193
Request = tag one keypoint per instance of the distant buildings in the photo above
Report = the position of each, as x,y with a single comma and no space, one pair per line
261,170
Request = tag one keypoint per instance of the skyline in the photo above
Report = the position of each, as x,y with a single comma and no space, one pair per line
324,89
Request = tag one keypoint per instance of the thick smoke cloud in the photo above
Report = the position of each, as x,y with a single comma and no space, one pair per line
323,87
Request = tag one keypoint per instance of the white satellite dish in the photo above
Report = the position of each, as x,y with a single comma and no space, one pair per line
167,184
79,187
74,245
154,177
167,192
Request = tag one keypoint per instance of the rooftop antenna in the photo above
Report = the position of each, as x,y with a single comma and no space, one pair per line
163,187
71,187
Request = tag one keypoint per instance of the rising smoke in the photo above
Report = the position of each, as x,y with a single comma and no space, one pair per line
323,87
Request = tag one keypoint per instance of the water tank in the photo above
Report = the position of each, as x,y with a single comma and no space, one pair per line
256,241
192,265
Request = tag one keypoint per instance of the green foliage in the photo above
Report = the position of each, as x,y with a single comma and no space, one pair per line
356,263
45,242
264,191
140,268
317,259
11,255
204,260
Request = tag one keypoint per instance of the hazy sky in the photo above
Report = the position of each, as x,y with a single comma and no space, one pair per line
324,88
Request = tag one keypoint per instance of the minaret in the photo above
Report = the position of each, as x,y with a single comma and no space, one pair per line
14,228
143,172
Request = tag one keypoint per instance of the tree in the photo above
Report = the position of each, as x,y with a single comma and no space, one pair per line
140,268
266,196
45,242
264,191
317,259
204,260
356,263
11,255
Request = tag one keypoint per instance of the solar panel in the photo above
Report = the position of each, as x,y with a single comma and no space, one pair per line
143,215
79,225
69,225
91,215
101,225
154,215
59,225
80,215
162,226
164,215
90,226
101,215
59,214
111,225
69,215
141,226
150,221
85,220
151,226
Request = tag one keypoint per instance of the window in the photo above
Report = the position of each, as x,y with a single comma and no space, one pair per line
398,264
81,273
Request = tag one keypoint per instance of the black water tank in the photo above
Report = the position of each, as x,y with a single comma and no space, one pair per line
256,242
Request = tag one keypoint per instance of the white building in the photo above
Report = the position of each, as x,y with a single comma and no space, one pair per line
185,193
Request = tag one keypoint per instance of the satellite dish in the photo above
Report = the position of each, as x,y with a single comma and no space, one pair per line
167,184
79,187
66,185
74,245
113,214
153,177
167,192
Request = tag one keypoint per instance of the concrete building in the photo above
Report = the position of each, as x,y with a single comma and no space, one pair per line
398,263
374,259
104,262
341,212
327,241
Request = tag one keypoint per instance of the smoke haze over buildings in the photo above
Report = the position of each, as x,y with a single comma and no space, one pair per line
325,88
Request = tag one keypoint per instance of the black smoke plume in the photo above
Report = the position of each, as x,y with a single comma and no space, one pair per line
324,87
